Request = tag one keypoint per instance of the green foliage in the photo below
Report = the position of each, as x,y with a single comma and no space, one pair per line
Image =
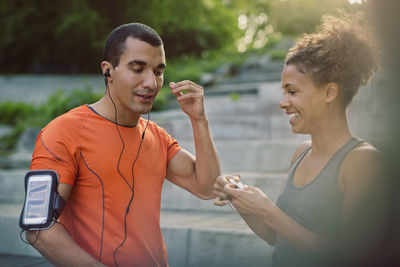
13,112
278,54
234,96
186,27
50,36
68,36
295,17
191,67
161,101
60,102
8,142
22,115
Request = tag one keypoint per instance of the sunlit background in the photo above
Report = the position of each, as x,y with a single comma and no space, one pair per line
50,54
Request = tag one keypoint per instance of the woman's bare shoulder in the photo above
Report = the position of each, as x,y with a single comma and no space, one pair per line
299,149
361,165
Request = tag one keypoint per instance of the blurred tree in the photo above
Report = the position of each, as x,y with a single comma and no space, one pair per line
295,17
254,23
49,36
46,36
68,36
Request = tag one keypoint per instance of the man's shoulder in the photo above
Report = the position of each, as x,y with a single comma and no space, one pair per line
152,126
157,131
68,121
73,116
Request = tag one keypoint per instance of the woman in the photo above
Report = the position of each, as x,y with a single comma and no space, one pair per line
320,216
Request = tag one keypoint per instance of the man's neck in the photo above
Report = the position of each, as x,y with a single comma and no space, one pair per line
105,108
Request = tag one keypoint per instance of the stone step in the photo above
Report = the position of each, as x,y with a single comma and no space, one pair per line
231,126
196,239
8,260
192,239
253,155
177,199
259,155
12,188
173,197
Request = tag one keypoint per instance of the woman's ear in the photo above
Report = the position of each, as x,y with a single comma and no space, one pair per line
331,92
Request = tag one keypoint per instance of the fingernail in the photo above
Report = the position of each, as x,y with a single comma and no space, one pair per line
172,84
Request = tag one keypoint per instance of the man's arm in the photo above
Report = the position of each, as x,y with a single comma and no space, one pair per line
195,174
56,244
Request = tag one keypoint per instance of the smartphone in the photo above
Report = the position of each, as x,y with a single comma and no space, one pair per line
40,188
238,184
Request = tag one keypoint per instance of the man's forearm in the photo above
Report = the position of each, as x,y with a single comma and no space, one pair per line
58,247
207,161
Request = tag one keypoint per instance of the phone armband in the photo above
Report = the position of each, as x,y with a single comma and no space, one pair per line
42,205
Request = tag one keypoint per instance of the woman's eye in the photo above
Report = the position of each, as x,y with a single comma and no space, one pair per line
137,70
292,92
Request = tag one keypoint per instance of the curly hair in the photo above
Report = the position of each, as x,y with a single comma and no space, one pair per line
340,51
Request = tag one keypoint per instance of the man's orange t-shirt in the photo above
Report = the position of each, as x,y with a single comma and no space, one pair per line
84,149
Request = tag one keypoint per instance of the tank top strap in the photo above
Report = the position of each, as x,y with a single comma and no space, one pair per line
296,162
338,157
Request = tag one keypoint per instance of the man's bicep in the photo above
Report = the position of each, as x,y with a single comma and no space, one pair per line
181,169
64,190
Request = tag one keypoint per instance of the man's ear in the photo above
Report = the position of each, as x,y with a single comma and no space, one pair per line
105,65
331,92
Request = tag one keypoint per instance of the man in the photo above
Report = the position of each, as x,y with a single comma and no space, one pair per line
112,163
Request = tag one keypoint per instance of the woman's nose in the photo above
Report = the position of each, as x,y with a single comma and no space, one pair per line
283,103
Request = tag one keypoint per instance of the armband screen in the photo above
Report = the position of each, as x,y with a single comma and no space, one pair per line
42,203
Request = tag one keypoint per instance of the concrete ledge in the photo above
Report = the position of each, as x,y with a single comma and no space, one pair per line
227,248
12,188
176,198
173,197
212,240
192,239
258,155
10,232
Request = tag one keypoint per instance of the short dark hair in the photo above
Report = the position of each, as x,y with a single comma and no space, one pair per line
340,51
115,44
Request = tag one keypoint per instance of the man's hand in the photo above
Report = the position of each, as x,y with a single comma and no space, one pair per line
190,97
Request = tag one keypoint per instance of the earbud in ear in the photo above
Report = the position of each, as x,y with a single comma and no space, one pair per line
107,73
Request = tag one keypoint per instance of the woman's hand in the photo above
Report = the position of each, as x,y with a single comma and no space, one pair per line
251,201
247,201
225,181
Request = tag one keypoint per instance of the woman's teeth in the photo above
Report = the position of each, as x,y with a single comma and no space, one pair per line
293,115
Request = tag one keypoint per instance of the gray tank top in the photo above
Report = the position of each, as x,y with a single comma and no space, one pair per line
317,206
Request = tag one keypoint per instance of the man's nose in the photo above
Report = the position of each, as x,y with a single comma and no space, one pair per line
150,81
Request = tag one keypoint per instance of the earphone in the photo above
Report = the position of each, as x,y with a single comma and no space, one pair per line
107,74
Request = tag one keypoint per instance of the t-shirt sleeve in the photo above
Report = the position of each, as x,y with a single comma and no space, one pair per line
172,145
173,148
53,151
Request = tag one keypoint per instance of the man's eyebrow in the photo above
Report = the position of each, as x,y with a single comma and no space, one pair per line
143,63
137,62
